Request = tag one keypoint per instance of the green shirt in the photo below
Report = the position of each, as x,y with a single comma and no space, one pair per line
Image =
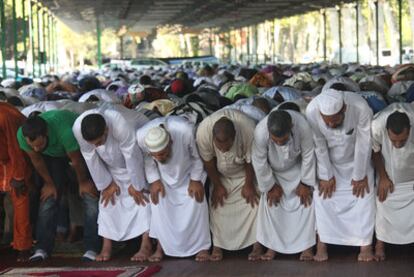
60,135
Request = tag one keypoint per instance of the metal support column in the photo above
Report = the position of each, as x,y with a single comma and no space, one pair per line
98,34
121,42
24,16
39,50
15,38
357,29
256,42
248,37
31,35
324,36
400,28
210,42
56,43
376,31
273,41
44,32
3,38
340,33
49,42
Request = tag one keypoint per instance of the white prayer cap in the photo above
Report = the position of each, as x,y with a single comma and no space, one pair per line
330,101
157,139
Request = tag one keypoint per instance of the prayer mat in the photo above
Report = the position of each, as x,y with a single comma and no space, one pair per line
127,271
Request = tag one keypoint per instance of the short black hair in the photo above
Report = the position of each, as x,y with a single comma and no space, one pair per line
397,122
289,106
93,126
34,127
279,123
3,96
145,80
339,86
224,129
15,101
92,98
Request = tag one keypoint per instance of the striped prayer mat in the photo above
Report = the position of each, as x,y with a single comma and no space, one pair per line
128,271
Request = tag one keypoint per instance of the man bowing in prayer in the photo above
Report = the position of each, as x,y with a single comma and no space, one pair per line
15,173
49,141
284,162
393,146
174,170
344,201
106,137
225,140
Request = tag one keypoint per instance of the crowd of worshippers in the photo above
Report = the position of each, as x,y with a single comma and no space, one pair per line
282,159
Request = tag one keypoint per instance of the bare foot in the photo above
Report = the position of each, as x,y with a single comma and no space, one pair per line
157,255
366,254
321,252
269,255
144,251
307,255
23,256
216,255
202,256
380,251
106,251
256,252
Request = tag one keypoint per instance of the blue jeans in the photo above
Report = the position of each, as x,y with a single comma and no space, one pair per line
48,211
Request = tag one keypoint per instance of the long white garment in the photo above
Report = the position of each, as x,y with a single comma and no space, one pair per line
178,221
65,104
344,153
288,227
394,219
233,225
119,160
102,94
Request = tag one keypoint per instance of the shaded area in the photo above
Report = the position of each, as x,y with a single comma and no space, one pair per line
342,263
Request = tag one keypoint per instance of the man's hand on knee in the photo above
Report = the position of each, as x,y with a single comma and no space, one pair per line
327,188
156,188
48,190
108,194
218,195
138,196
196,190
88,187
305,194
274,195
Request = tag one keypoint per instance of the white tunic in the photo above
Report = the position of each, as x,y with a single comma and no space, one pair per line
344,153
288,227
178,221
233,225
102,95
119,160
394,218
65,104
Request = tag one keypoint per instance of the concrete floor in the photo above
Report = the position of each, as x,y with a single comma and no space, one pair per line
399,263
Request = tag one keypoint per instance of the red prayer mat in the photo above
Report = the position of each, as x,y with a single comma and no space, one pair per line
128,271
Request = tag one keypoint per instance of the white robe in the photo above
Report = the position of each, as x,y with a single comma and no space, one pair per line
102,94
119,160
232,225
178,221
288,227
65,104
394,219
344,153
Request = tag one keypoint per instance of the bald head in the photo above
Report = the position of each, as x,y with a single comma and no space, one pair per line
224,134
